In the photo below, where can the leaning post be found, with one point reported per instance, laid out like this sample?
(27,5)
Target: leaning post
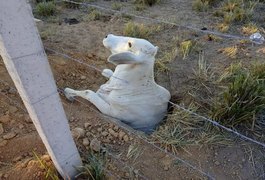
(27,64)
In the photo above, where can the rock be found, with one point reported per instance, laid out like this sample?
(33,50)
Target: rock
(60,61)
(83,77)
(166,168)
(111,125)
(121,134)
(126,138)
(127,174)
(99,129)
(85,142)
(116,128)
(217,163)
(1,129)
(78,132)
(5,118)
(3,142)
(13,109)
(27,119)
(6,176)
(95,145)
(17,159)
(46,158)
(112,132)
(87,125)
(104,133)
(9,135)
(21,126)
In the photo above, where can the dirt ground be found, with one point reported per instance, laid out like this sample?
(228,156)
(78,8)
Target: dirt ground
(19,140)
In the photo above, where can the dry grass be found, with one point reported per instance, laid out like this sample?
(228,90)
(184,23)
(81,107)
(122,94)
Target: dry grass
(243,97)
(49,169)
(167,56)
(186,47)
(46,9)
(93,167)
(146,2)
(236,10)
(249,29)
(93,15)
(116,6)
(183,129)
(230,51)
(140,30)
(134,151)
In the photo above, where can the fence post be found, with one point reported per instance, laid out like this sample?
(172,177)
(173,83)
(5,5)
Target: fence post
(26,62)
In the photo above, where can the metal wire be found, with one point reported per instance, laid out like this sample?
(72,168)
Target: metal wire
(82,62)
(229,36)
(125,127)
(219,125)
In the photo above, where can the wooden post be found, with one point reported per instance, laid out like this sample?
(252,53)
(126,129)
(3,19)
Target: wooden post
(27,64)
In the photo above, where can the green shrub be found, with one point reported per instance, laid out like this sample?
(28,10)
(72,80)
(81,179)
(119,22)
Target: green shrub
(146,2)
(139,30)
(46,9)
(244,96)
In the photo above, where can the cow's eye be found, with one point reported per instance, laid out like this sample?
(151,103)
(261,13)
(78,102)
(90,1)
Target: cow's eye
(129,44)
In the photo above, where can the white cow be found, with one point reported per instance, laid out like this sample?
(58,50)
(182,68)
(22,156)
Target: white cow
(131,94)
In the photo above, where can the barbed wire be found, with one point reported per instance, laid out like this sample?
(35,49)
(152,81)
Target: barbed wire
(255,38)
(213,122)
(82,62)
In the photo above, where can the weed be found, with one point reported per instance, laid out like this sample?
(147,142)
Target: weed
(200,5)
(203,70)
(139,30)
(183,129)
(223,27)
(48,33)
(186,47)
(243,98)
(203,86)
(46,9)
(167,57)
(134,151)
(249,29)
(230,51)
(50,171)
(211,37)
(93,16)
(93,167)
(236,10)
(146,2)
(139,7)
(116,6)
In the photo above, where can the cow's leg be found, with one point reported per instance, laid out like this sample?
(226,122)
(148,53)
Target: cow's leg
(91,96)
(107,73)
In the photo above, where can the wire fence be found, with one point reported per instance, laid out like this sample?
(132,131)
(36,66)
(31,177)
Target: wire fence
(255,38)
(191,112)
(130,130)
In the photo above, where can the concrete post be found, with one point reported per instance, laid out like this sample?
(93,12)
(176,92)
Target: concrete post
(26,62)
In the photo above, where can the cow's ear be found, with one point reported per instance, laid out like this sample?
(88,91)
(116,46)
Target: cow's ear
(124,58)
